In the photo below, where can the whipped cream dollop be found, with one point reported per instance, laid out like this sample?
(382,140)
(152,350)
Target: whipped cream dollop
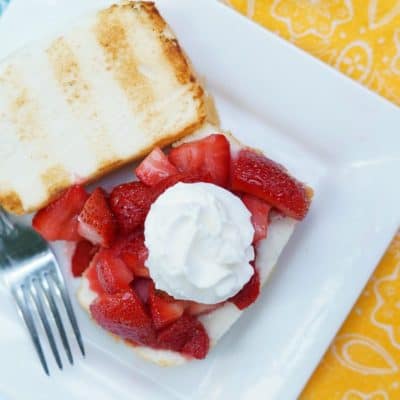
(199,240)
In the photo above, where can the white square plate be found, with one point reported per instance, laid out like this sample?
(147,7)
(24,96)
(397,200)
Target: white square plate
(330,132)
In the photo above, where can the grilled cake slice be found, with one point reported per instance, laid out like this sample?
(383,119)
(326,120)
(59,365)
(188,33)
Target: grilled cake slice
(76,106)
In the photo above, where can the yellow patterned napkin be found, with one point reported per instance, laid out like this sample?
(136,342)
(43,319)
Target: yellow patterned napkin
(361,38)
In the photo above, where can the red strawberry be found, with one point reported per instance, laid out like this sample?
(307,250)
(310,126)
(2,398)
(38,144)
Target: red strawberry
(210,155)
(130,203)
(114,276)
(133,252)
(249,292)
(161,187)
(83,254)
(198,345)
(124,315)
(193,308)
(91,275)
(186,335)
(257,175)
(154,168)
(59,220)
(259,215)
(143,287)
(164,309)
(96,221)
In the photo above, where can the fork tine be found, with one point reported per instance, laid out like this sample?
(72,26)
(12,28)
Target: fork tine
(40,305)
(60,284)
(26,313)
(47,289)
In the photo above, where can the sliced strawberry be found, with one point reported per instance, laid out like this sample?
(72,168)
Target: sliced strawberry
(96,221)
(193,308)
(257,175)
(124,315)
(198,345)
(130,203)
(133,252)
(154,168)
(114,276)
(210,155)
(249,292)
(259,215)
(91,275)
(161,187)
(186,335)
(59,220)
(83,254)
(143,287)
(164,309)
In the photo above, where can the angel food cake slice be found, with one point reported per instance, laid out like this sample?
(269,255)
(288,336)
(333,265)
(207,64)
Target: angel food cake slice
(172,259)
(78,105)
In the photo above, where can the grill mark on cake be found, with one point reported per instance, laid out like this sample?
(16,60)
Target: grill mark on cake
(174,53)
(54,178)
(79,97)
(23,110)
(122,62)
(170,45)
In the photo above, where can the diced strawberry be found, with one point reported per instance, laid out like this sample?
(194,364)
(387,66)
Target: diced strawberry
(186,335)
(59,220)
(96,221)
(249,292)
(198,345)
(210,155)
(91,275)
(164,309)
(114,276)
(83,254)
(124,315)
(193,308)
(133,252)
(154,168)
(161,187)
(143,287)
(259,215)
(130,203)
(257,175)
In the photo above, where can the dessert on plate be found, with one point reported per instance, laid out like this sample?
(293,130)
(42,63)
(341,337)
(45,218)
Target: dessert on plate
(169,260)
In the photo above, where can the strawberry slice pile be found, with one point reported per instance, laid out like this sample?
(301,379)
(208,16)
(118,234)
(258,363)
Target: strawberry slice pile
(110,248)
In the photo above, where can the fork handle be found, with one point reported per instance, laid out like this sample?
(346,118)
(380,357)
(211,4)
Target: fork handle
(6,225)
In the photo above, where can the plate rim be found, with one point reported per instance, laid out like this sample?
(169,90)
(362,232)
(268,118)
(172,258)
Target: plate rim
(366,91)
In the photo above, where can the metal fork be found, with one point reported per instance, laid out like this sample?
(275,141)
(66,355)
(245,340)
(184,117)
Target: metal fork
(32,273)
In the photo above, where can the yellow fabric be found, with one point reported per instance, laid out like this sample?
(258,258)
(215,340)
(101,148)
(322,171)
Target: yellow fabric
(361,38)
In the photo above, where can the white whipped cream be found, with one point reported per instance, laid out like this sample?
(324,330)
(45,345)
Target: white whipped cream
(199,240)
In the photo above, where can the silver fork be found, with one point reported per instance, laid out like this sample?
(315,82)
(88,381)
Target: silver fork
(32,273)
